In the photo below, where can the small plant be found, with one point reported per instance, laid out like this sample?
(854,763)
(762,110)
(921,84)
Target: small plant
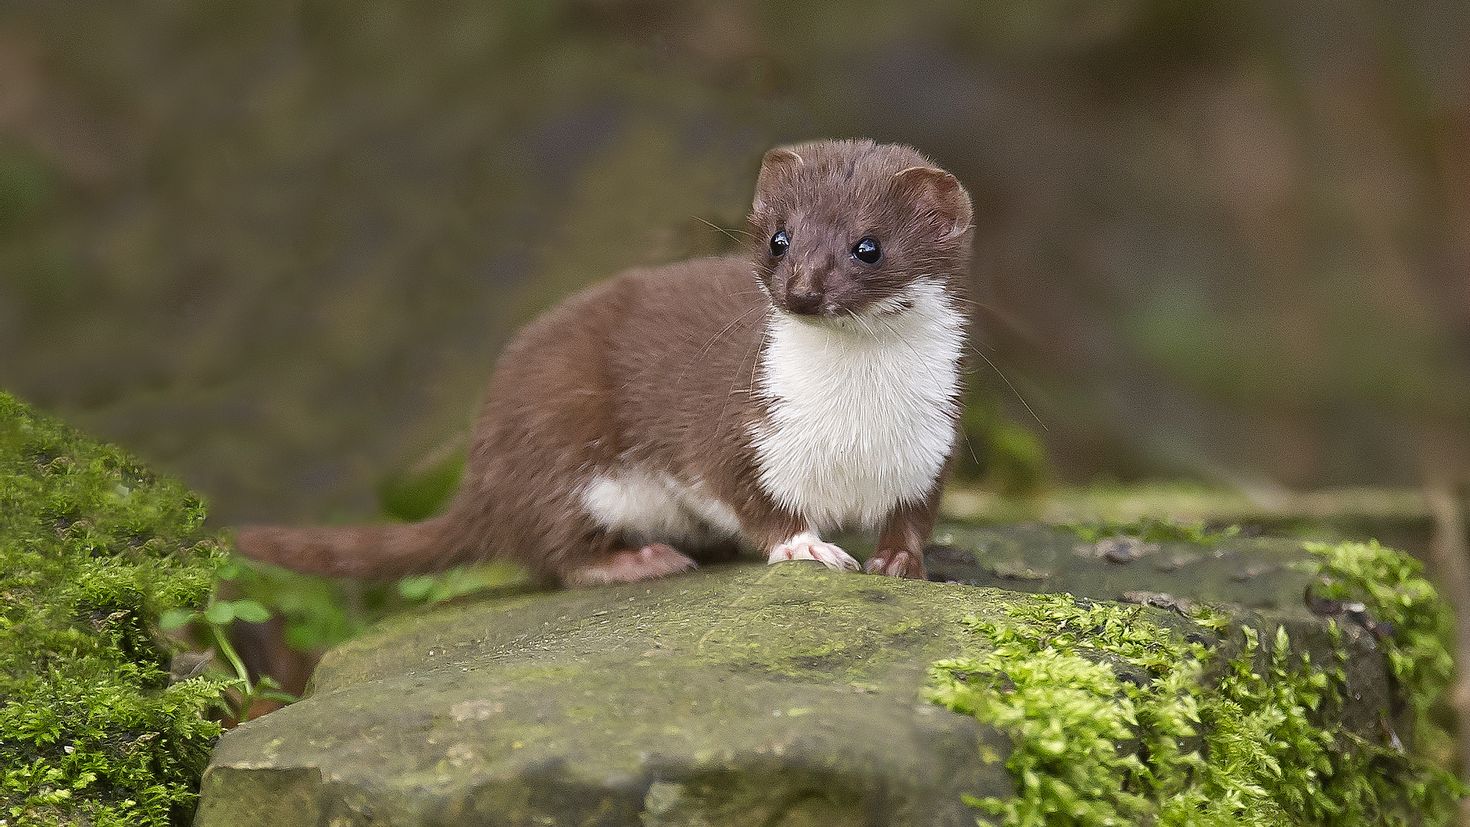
(241,692)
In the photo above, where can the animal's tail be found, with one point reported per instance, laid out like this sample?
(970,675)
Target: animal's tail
(364,551)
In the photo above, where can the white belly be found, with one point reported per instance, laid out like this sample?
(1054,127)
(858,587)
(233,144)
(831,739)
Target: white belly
(862,416)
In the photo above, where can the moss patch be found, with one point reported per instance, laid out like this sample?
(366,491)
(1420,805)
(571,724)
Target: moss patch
(92,548)
(1113,723)
(1402,607)
(1153,530)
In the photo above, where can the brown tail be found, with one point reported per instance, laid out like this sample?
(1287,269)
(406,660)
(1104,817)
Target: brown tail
(364,551)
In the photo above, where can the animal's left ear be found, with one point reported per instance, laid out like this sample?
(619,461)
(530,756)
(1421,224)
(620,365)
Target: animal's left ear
(939,195)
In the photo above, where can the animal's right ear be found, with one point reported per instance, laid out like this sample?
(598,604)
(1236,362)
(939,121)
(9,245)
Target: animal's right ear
(776,167)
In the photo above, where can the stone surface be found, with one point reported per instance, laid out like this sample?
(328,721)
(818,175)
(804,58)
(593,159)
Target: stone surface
(738,695)
(1254,572)
(745,695)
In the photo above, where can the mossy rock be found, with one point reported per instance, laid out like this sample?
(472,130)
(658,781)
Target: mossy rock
(93,547)
(793,695)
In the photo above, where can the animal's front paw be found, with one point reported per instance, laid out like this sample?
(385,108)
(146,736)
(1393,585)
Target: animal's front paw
(808,546)
(895,563)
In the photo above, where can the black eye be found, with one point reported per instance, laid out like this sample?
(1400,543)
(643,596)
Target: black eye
(779,242)
(867,251)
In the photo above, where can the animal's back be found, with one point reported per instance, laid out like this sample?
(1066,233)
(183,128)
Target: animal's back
(616,383)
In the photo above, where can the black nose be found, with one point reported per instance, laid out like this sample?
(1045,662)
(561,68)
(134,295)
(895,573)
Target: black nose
(806,303)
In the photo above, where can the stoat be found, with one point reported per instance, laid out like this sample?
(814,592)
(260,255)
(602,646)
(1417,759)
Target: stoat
(687,411)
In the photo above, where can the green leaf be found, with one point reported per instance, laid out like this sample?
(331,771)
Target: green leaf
(417,587)
(251,611)
(176,619)
(220,613)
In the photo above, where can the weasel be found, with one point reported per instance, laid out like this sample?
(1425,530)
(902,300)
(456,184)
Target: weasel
(689,410)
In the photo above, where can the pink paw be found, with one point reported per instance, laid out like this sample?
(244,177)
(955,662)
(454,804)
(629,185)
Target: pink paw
(653,560)
(897,564)
(808,546)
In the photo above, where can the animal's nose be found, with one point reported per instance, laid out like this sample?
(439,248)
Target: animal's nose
(804,290)
(803,301)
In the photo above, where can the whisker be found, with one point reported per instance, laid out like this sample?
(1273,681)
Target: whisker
(755,358)
(707,345)
(969,446)
(1003,378)
(729,233)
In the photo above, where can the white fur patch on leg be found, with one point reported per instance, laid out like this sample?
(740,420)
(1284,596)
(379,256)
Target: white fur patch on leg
(656,507)
(808,546)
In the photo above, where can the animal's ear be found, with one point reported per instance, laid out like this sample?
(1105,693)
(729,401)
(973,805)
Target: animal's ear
(939,195)
(776,167)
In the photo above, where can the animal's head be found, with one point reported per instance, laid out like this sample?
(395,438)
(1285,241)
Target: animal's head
(846,228)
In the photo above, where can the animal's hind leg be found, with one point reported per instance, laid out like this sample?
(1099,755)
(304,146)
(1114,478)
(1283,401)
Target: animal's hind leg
(628,566)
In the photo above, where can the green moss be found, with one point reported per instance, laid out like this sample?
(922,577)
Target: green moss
(1396,597)
(1117,719)
(92,548)
(1153,530)
(1271,761)
(1073,683)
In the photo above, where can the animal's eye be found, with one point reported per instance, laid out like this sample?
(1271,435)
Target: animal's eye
(779,242)
(867,251)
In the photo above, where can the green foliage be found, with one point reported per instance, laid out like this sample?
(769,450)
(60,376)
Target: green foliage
(321,612)
(425,589)
(1114,723)
(93,547)
(214,619)
(420,493)
(1004,455)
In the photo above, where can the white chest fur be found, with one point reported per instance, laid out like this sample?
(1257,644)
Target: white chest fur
(861,415)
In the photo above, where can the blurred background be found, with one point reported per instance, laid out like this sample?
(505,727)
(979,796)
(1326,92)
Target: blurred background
(273,248)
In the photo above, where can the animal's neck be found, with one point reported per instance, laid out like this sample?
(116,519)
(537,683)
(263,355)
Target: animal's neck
(860,416)
(913,341)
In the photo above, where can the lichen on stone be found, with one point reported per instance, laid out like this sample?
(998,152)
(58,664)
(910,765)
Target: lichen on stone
(1118,719)
(92,547)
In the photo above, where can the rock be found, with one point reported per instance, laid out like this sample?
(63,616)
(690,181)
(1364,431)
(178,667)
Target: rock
(743,695)
(793,695)
(1254,572)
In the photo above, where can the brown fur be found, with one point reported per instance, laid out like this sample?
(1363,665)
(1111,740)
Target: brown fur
(655,367)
